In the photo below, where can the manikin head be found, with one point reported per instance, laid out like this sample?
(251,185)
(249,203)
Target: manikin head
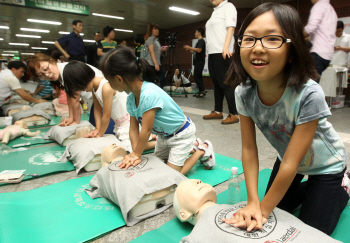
(190,196)
(21,124)
(111,153)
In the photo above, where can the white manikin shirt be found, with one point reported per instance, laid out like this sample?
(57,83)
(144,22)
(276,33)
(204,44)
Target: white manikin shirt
(280,227)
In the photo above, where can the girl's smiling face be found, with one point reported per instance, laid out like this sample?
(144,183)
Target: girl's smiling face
(272,61)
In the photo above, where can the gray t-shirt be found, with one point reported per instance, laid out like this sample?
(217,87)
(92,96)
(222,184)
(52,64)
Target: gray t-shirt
(277,122)
(27,113)
(152,40)
(126,187)
(281,227)
(83,150)
(59,134)
(13,107)
(43,106)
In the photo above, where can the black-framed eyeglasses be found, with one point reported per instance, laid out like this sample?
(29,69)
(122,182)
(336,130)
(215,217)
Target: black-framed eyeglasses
(268,41)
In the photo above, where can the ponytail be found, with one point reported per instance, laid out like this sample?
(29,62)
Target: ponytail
(123,62)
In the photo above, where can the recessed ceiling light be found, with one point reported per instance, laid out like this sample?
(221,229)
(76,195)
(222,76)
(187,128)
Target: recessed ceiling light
(39,48)
(19,44)
(107,16)
(89,40)
(6,55)
(11,51)
(28,36)
(123,30)
(81,34)
(4,27)
(183,10)
(1,39)
(64,33)
(35,30)
(48,42)
(27,54)
(44,21)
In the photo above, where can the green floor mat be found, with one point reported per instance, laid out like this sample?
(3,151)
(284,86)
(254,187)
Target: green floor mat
(41,161)
(57,213)
(178,93)
(148,151)
(219,174)
(25,141)
(55,120)
(174,230)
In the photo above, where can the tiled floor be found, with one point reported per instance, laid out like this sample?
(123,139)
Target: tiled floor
(226,140)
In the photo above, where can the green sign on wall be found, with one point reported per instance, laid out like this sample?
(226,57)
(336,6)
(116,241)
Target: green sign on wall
(55,5)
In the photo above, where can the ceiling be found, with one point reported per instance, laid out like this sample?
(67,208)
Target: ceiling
(137,14)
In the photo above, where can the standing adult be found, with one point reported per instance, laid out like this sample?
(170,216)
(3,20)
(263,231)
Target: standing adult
(91,52)
(108,43)
(341,47)
(9,82)
(123,43)
(321,29)
(198,60)
(219,29)
(73,43)
(153,57)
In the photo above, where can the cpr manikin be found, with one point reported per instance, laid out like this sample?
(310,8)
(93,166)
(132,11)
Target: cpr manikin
(32,117)
(195,202)
(66,135)
(114,153)
(18,129)
(18,108)
(140,191)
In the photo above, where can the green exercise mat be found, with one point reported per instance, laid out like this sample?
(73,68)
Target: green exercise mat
(174,230)
(25,141)
(219,174)
(41,161)
(55,120)
(57,213)
(178,93)
(148,151)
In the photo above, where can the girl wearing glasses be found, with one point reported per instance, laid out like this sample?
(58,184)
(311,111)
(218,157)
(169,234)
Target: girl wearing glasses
(276,92)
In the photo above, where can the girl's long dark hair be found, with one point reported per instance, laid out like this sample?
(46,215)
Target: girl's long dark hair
(76,77)
(123,62)
(301,68)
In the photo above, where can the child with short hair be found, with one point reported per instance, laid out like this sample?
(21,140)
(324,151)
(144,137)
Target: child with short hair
(150,106)
(277,93)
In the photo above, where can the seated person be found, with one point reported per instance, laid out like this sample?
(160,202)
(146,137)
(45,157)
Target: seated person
(180,80)
(195,202)
(43,89)
(151,182)
(18,129)
(9,81)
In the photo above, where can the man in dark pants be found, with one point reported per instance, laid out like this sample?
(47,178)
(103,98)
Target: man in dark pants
(198,60)
(321,29)
(91,52)
(73,42)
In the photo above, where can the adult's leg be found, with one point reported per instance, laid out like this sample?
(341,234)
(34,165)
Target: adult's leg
(291,199)
(1,112)
(161,76)
(213,65)
(324,201)
(222,66)
(197,74)
(320,64)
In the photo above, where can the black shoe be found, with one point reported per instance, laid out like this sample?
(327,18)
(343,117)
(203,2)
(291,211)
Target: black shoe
(200,95)
(195,95)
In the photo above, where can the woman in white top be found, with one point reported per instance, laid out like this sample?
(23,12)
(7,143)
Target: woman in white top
(219,31)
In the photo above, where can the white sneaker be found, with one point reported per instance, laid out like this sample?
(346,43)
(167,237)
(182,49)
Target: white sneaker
(208,158)
(199,141)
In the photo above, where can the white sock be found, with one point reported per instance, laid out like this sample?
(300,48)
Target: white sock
(217,112)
